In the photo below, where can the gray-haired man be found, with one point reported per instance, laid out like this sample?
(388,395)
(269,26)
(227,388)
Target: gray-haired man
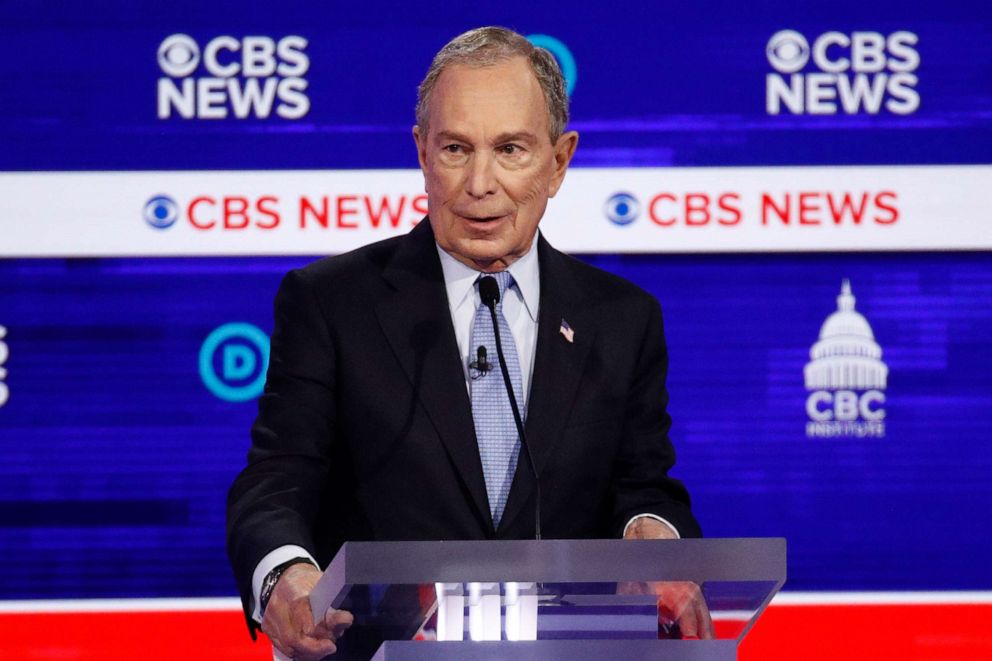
(372,427)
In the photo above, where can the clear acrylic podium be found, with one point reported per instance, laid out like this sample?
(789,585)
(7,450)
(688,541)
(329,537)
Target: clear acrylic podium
(548,599)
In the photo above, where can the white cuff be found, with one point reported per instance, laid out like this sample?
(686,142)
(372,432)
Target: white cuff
(650,516)
(272,560)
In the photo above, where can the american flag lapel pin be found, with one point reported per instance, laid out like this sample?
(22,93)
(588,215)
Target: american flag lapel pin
(567,332)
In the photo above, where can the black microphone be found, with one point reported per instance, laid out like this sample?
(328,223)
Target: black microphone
(489,291)
(481,364)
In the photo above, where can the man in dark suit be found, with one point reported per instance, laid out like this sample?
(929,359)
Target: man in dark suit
(373,423)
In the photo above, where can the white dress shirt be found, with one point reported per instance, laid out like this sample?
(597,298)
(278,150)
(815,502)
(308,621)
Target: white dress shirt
(520,307)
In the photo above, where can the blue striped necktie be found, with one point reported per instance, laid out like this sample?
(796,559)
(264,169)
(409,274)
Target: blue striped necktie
(495,430)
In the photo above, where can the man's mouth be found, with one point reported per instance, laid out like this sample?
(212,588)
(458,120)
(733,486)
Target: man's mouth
(475,218)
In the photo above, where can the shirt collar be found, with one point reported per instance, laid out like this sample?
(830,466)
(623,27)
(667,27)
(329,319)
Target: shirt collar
(459,279)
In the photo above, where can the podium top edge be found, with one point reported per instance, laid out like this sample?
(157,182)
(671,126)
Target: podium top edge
(562,561)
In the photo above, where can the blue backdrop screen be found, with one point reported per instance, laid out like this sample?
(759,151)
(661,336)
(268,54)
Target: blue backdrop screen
(654,84)
(116,487)
(127,384)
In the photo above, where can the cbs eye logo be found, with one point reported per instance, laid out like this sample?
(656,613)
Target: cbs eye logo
(787,51)
(178,55)
(161,212)
(622,209)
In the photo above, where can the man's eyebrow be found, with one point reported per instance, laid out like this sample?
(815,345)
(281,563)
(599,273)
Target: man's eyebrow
(518,136)
(501,139)
(445,136)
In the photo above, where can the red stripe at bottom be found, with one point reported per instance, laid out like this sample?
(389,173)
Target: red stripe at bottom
(901,631)
(931,631)
(146,635)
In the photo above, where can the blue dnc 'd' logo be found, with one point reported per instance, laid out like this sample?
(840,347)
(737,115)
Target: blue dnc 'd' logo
(233,361)
(161,212)
(622,208)
(564,56)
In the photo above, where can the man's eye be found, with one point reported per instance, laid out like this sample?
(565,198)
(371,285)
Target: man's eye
(453,149)
(510,149)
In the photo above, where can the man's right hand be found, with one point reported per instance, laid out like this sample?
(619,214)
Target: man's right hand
(288,620)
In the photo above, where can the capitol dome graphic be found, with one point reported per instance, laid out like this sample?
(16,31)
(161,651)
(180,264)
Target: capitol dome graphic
(846,357)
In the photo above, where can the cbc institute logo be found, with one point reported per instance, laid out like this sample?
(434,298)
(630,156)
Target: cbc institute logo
(846,377)
(4,355)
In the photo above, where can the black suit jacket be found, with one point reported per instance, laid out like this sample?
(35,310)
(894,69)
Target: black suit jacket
(365,430)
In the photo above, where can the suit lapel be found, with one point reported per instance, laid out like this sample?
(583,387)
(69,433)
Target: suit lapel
(416,320)
(558,367)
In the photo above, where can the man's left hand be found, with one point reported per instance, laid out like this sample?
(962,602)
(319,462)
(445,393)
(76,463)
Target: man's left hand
(680,603)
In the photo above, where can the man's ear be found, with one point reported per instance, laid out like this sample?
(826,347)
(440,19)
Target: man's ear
(564,150)
(420,138)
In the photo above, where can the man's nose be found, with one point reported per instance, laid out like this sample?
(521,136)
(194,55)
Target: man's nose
(481,179)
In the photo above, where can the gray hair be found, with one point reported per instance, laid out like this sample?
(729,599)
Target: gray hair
(488,46)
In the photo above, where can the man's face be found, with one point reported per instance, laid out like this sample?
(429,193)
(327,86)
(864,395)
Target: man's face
(489,165)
